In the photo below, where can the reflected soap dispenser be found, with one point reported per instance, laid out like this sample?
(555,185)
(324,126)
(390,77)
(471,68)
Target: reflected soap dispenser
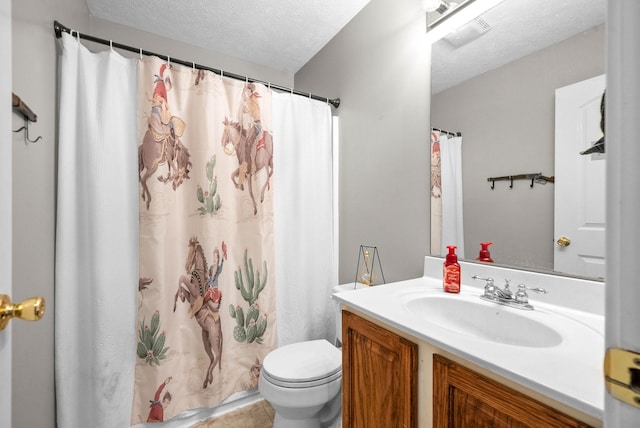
(484,255)
(451,271)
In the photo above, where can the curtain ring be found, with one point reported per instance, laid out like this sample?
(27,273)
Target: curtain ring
(194,66)
(140,54)
(269,85)
(221,73)
(111,45)
(168,61)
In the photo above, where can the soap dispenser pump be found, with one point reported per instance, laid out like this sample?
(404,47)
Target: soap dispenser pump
(451,271)
(484,255)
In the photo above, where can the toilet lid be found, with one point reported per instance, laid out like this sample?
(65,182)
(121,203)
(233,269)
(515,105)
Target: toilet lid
(303,362)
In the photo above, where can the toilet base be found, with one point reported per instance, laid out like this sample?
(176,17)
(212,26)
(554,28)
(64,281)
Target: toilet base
(327,416)
(281,422)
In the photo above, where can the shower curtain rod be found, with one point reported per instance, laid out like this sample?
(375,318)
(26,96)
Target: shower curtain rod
(59,29)
(455,134)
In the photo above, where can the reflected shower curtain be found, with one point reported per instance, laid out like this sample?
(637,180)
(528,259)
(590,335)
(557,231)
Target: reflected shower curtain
(111,322)
(447,226)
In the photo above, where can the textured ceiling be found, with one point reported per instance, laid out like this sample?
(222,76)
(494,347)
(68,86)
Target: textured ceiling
(286,34)
(519,28)
(281,34)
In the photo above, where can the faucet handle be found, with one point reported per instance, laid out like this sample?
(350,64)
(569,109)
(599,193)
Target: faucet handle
(488,279)
(489,287)
(521,295)
(537,290)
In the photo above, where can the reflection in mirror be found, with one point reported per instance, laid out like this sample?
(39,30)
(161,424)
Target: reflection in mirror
(495,81)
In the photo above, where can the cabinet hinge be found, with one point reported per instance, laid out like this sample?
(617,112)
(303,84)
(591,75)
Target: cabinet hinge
(622,375)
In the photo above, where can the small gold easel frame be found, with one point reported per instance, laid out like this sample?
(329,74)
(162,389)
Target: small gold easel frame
(369,267)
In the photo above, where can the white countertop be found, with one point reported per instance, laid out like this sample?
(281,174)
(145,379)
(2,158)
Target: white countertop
(570,373)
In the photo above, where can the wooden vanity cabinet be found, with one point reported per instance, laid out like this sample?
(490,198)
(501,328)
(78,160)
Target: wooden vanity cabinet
(379,376)
(463,398)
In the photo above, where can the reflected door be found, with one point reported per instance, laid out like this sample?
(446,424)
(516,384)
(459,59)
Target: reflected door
(579,222)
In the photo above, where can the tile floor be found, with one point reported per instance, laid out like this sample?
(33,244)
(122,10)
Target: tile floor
(257,415)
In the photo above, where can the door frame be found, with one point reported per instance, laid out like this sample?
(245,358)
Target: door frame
(6,142)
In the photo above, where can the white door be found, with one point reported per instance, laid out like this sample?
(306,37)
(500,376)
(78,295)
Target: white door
(5,206)
(579,223)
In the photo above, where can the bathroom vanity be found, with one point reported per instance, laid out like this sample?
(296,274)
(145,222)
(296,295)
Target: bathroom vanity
(418,357)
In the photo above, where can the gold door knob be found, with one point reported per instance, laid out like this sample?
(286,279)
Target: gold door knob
(563,241)
(31,310)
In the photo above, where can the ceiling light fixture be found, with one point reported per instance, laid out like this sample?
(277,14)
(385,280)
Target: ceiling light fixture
(455,18)
(431,5)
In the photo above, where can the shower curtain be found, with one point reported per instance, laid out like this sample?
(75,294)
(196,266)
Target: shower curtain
(206,287)
(305,203)
(447,226)
(196,317)
(96,238)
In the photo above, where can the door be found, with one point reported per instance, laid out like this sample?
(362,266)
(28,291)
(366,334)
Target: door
(5,206)
(463,398)
(379,385)
(580,206)
(623,176)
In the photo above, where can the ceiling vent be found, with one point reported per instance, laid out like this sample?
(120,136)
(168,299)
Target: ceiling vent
(468,32)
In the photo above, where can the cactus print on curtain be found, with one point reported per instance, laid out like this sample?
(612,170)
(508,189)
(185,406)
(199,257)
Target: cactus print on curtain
(206,292)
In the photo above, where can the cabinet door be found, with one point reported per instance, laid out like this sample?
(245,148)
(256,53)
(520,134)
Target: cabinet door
(463,398)
(379,376)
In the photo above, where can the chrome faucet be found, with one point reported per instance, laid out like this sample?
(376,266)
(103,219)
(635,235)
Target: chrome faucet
(504,293)
(504,296)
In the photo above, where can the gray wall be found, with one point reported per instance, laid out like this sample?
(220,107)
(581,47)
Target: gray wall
(34,80)
(379,67)
(34,170)
(506,117)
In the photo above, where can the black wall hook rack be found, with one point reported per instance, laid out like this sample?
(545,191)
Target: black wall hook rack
(534,177)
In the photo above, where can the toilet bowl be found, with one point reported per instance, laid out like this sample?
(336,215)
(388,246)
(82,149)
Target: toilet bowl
(302,382)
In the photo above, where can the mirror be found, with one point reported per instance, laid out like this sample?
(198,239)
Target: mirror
(494,80)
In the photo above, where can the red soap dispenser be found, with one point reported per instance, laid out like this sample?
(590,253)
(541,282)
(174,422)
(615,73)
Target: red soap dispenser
(484,255)
(451,271)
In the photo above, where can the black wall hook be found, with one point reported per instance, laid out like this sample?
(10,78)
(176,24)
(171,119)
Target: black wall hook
(25,128)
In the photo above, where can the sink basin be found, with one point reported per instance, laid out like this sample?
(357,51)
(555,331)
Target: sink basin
(471,316)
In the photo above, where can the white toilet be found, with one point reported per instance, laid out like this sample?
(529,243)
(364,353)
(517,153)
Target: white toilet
(303,381)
